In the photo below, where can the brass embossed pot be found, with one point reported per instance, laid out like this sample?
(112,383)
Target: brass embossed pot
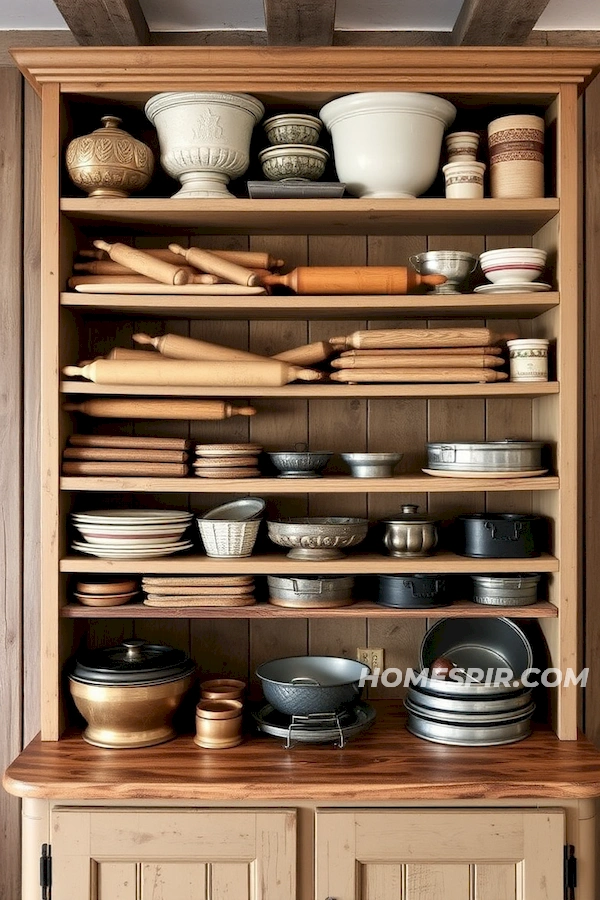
(410,534)
(128,694)
(109,162)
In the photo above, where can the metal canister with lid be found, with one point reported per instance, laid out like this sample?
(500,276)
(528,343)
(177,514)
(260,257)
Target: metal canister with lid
(411,533)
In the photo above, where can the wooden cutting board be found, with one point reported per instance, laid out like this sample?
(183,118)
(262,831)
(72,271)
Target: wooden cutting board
(423,360)
(247,472)
(230,590)
(125,454)
(225,462)
(142,470)
(195,580)
(129,441)
(166,602)
(214,290)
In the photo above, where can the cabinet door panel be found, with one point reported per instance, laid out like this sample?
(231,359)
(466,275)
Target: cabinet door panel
(440,854)
(180,854)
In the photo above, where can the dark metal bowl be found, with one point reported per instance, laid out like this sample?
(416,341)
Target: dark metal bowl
(304,685)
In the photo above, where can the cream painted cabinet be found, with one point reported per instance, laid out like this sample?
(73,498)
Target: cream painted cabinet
(440,854)
(173,854)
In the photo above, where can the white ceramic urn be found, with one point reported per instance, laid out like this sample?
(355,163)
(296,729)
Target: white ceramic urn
(204,138)
(387,144)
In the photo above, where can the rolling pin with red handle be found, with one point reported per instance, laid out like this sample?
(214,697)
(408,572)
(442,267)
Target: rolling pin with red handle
(200,410)
(144,263)
(418,337)
(251,259)
(352,280)
(193,373)
(208,262)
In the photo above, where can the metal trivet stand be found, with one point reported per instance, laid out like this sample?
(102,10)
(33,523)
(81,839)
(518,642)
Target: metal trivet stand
(326,721)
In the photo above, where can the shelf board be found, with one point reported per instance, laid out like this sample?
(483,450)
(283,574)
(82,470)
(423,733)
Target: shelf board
(344,216)
(279,564)
(310,389)
(430,306)
(366,608)
(333,484)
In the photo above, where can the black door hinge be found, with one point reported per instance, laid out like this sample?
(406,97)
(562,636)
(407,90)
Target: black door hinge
(46,872)
(570,872)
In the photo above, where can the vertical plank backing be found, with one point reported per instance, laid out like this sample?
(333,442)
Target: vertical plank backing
(31,413)
(11,470)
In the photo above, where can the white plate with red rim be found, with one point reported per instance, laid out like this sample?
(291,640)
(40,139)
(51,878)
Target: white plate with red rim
(513,287)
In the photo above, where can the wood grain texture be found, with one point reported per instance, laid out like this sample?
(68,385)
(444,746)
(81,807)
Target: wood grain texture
(387,763)
(496,22)
(300,22)
(11,482)
(110,23)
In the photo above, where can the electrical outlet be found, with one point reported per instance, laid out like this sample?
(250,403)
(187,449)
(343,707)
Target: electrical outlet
(371,657)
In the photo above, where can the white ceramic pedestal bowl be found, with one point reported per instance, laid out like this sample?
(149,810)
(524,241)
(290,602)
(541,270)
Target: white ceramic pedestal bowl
(204,138)
(387,144)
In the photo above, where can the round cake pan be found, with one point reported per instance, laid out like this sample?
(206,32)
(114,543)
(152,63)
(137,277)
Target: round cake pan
(505,590)
(485,456)
(468,735)
(460,705)
(439,687)
(478,644)
(471,719)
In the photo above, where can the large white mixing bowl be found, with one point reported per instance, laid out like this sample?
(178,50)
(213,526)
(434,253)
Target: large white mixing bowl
(387,144)
(204,138)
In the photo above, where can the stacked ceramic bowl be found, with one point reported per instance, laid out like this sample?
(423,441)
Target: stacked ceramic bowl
(132,533)
(227,460)
(293,155)
(513,269)
(230,530)
(470,692)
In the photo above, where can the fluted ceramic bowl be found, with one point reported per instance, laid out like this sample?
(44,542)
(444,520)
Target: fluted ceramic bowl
(318,537)
(293,128)
(297,162)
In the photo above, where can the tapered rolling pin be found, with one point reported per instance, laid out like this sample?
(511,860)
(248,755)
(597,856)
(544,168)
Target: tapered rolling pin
(251,259)
(167,470)
(124,454)
(307,355)
(423,361)
(144,263)
(201,410)
(108,267)
(418,337)
(399,376)
(129,442)
(353,280)
(128,353)
(208,262)
(76,280)
(175,346)
(431,351)
(193,373)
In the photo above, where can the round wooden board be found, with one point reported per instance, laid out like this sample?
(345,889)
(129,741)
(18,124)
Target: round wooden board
(531,474)
(105,600)
(226,462)
(109,586)
(200,590)
(196,580)
(227,473)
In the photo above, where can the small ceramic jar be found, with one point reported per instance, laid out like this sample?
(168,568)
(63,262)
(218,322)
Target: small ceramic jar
(410,534)
(462,146)
(528,359)
(464,180)
(218,724)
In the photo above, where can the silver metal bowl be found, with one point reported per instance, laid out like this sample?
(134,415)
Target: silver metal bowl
(310,591)
(465,706)
(304,685)
(456,265)
(318,537)
(300,462)
(372,465)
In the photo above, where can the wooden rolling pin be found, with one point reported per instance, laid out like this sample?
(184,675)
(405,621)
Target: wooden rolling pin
(128,353)
(193,373)
(418,337)
(208,262)
(129,442)
(108,267)
(200,410)
(175,346)
(76,280)
(144,263)
(124,454)
(431,351)
(399,376)
(251,259)
(167,470)
(307,355)
(422,361)
(353,280)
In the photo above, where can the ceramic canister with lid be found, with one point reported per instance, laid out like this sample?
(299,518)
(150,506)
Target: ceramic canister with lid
(129,693)
(410,533)
(528,359)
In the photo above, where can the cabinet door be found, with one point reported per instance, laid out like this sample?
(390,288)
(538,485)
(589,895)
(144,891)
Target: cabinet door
(440,854)
(173,854)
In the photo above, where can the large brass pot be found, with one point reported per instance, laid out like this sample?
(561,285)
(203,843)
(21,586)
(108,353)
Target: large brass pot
(129,715)
(109,162)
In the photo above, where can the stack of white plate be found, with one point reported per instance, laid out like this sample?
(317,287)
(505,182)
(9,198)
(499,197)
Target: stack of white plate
(132,533)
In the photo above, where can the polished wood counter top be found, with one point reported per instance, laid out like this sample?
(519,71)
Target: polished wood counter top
(385,763)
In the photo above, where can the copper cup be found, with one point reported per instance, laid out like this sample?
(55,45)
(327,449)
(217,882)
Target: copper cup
(218,724)
(222,689)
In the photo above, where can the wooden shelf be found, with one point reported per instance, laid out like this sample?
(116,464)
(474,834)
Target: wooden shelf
(334,484)
(458,610)
(312,390)
(345,216)
(385,763)
(279,564)
(430,306)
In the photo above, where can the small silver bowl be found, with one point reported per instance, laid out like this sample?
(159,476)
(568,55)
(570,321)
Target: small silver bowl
(456,265)
(372,465)
(293,128)
(300,462)
(318,537)
(293,162)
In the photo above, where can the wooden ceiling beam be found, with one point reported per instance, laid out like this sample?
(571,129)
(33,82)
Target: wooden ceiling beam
(496,22)
(300,22)
(111,23)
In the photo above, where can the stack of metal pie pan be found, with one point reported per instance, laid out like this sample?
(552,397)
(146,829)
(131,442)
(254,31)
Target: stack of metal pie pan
(471,713)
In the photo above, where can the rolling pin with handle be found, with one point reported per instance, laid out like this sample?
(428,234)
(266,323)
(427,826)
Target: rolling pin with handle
(215,265)
(200,410)
(430,351)
(418,337)
(422,361)
(193,373)
(192,278)
(175,346)
(352,280)
(251,259)
(144,264)
(401,376)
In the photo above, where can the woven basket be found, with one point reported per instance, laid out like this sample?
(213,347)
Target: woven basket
(222,538)
(516,145)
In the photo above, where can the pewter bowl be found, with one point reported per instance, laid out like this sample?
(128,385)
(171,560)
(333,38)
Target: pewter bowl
(318,538)
(372,465)
(300,463)
(456,265)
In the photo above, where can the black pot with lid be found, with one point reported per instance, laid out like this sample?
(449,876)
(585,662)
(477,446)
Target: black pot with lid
(134,662)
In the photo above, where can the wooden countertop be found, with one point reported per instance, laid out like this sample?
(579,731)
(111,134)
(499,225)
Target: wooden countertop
(386,763)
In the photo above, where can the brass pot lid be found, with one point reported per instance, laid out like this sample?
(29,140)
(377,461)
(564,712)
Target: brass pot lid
(132,662)
(409,515)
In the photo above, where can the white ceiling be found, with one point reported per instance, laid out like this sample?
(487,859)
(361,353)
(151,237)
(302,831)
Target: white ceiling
(370,15)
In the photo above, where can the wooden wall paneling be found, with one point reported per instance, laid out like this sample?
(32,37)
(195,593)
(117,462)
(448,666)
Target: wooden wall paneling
(11,474)
(31,412)
(591,556)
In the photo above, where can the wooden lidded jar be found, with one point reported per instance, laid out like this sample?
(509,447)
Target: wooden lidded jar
(109,162)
